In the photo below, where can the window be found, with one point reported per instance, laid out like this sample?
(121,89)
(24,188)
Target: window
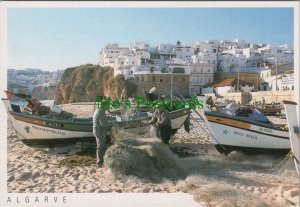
(111,51)
(161,80)
(182,79)
(178,70)
(137,78)
(153,78)
(213,61)
(142,78)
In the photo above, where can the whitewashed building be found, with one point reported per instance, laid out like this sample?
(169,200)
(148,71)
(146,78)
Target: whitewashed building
(283,54)
(210,45)
(109,54)
(206,57)
(241,43)
(231,85)
(287,82)
(200,74)
(284,82)
(165,48)
(184,52)
(233,63)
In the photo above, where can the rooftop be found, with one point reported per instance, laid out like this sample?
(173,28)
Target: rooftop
(231,82)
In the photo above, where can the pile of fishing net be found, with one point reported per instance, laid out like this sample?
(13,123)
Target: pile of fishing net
(142,156)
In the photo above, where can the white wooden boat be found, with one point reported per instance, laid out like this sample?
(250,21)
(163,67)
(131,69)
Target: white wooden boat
(293,122)
(43,131)
(241,133)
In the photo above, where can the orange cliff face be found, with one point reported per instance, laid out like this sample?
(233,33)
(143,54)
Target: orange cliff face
(84,83)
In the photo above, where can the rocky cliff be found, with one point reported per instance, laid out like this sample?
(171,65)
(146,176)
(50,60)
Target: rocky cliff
(44,92)
(85,82)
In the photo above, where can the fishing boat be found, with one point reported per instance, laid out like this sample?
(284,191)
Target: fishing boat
(293,122)
(246,130)
(270,110)
(51,126)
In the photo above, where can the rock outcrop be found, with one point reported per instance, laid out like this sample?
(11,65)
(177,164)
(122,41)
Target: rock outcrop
(85,82)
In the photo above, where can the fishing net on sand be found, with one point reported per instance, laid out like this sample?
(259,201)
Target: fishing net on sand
(285,166)
(138,152)
(147,159)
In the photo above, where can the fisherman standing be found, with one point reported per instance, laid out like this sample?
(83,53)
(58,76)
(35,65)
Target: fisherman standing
(263,102)
(100,127)
(153,120)
(164,125)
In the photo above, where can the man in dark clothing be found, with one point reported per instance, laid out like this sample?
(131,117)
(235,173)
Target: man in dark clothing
(164,125)
(100,127)
(154,120)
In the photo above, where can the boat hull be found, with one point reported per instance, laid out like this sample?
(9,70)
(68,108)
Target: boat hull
(178,117)
(229,134)
(291,114)
(36,131)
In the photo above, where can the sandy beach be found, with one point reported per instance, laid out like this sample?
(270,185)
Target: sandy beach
(193,166)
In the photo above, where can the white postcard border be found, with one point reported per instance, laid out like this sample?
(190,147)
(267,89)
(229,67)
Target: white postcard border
(112,199)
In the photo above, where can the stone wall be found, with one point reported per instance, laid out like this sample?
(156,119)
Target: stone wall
(162,81)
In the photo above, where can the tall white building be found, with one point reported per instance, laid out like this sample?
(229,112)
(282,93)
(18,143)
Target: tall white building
(200,75)
(110,52)
(206,57)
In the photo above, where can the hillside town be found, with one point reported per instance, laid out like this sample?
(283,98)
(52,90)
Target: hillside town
(199,68)
(212,66)
(28,79)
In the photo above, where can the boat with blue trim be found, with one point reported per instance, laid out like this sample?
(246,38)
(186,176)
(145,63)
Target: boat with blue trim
(238,128)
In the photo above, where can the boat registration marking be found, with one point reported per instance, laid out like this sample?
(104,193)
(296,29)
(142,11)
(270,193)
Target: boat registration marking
(262,129)
(242,134)
(55,124)
(48,130)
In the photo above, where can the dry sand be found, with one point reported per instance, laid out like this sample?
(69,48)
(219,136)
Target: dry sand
(213,179)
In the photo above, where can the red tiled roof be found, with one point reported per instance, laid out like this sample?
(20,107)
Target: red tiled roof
(231,82)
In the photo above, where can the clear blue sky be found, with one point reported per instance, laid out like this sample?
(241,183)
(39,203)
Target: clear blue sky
(53,39)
